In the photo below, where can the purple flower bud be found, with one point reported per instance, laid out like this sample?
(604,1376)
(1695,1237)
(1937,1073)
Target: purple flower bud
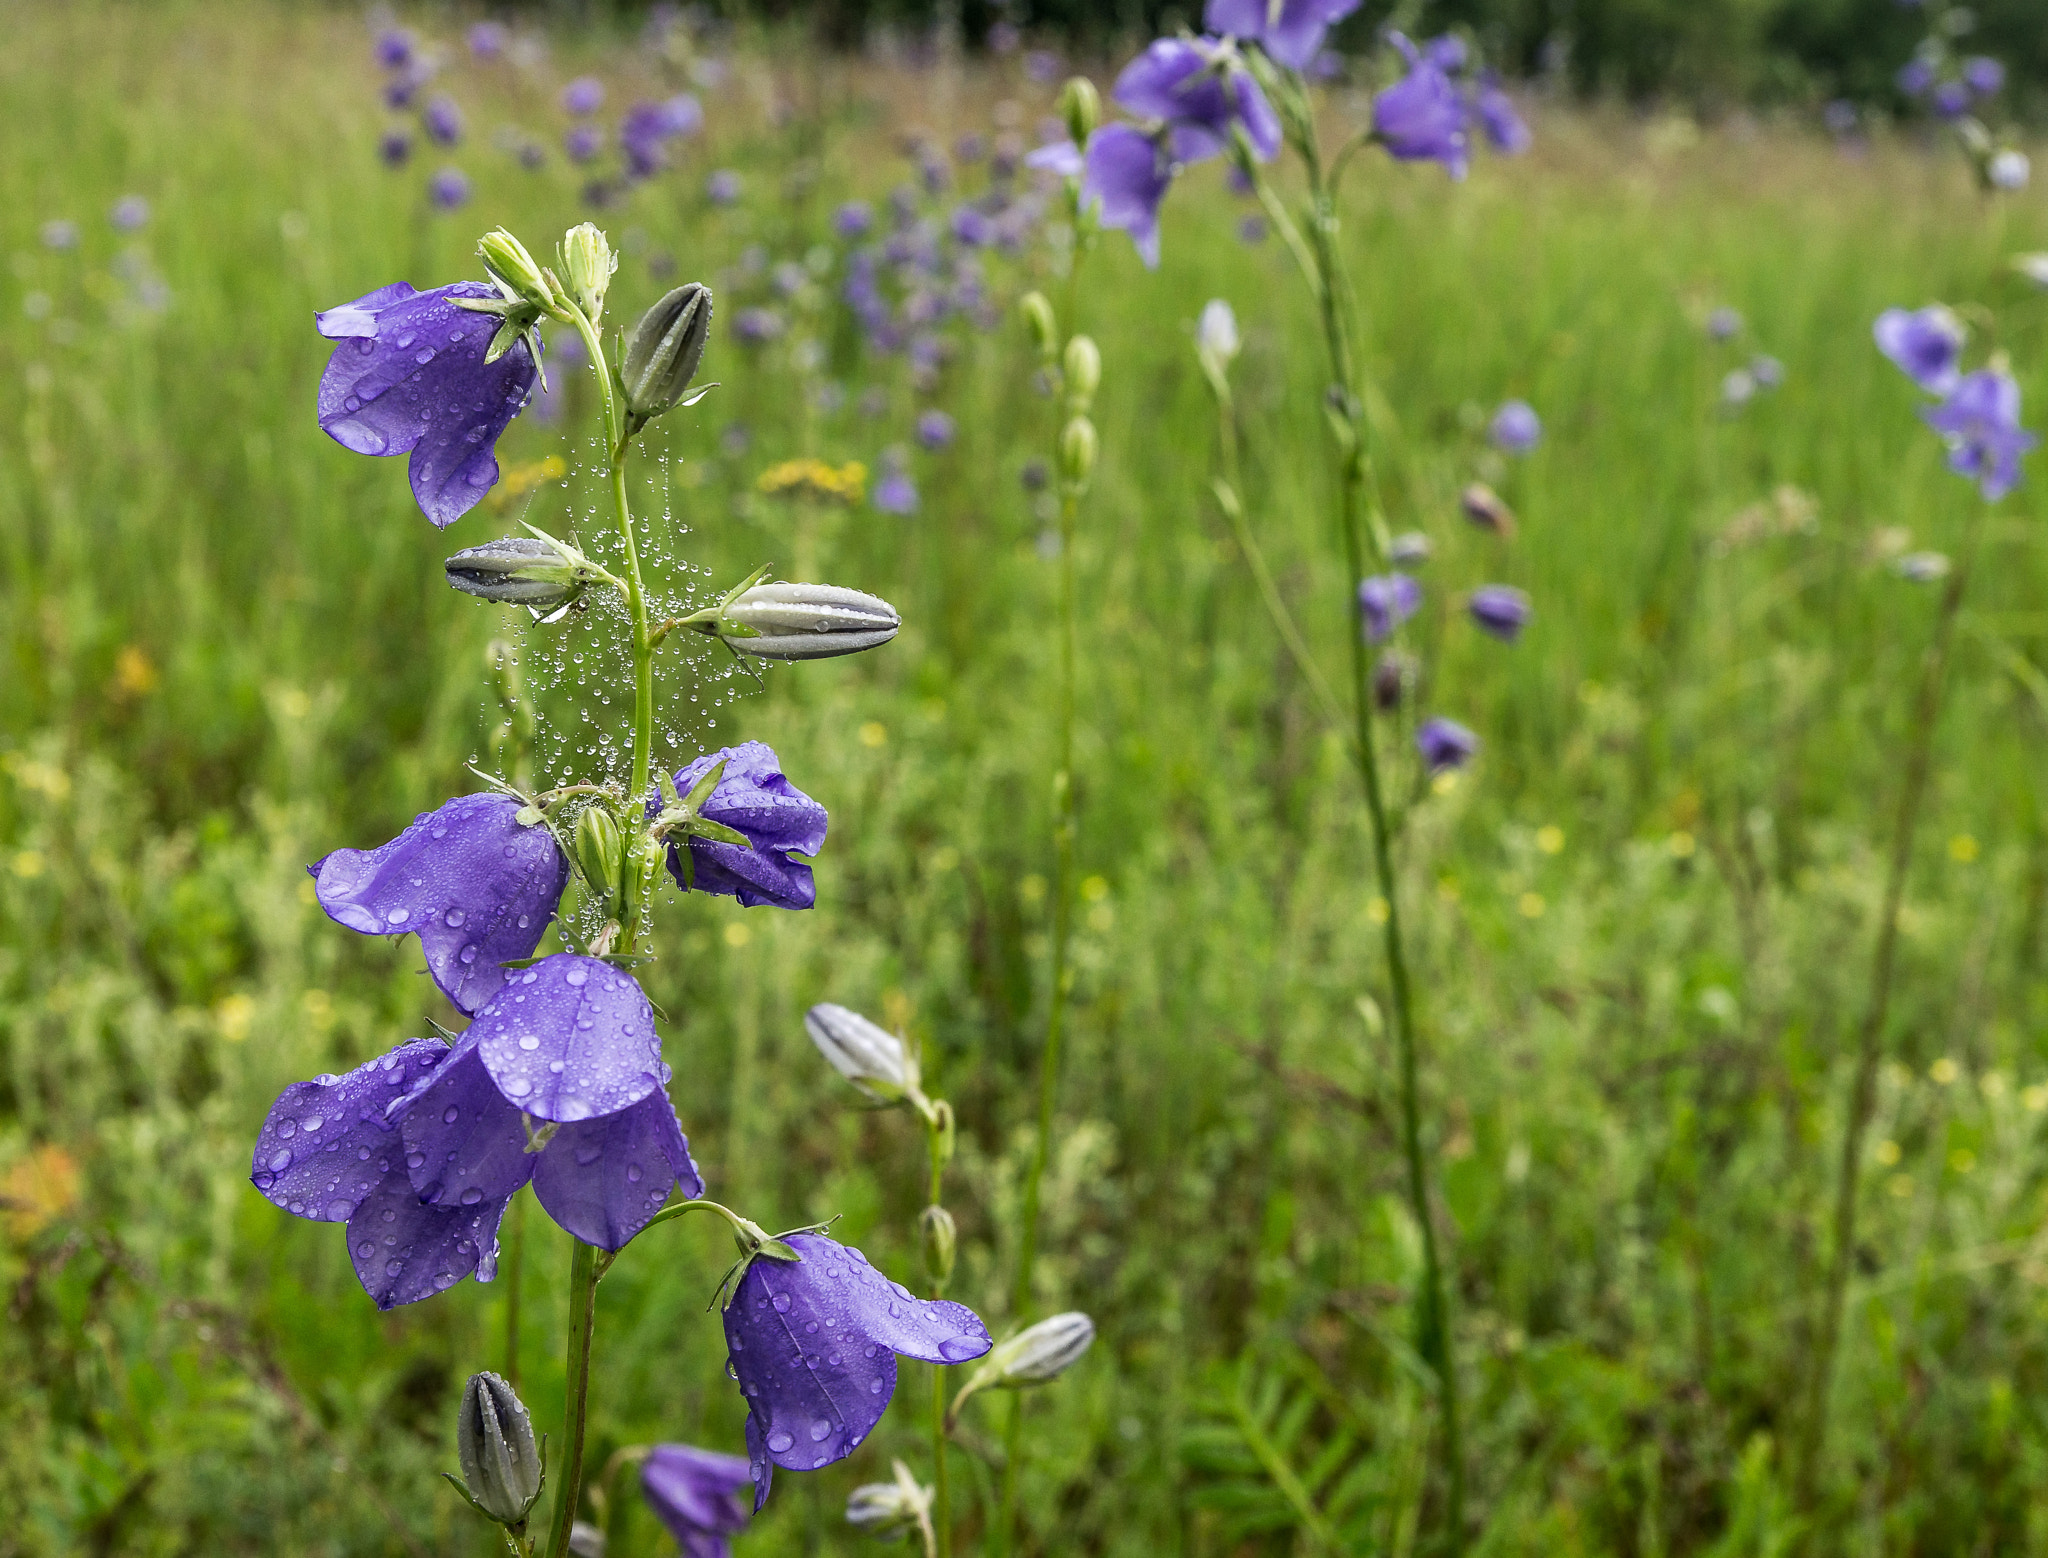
(696,1494)
(1385,601)
(442,121)
(1500,611)
(934,429)
(1981,422)
(1421,118)
(1925,343)
(779,821)
(722,188)
(130,214)
(449,188)
(394,48)
(1291,32)
(1444,744)
(1516,428)
(583,96)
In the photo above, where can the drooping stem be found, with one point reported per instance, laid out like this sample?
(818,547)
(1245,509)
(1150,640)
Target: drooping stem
(583,1275)
(1927,703)
(1360,520)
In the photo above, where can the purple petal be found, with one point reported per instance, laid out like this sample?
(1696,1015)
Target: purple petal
(754,797)
(328,1143)
(758,1463)
(695,1493)
(465,1145)
(476,886)
(405,1251)
(1128,177)
(570,1039)
(604,1179)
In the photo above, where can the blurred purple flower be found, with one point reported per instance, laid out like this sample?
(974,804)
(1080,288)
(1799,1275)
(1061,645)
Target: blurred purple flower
(473,883)
(130,214)
(1444,744)
(1498,117)
(582,142)
(1385,601)
(895,493)
(60,234)
(813,1343)
(1201,92)
(778,819)
(973,228)
(1516,428)
(583,96)
(1043,66)
(1723,324)
(1291,31)
(1061,157)
(394,48)
(1251,229)
(448,188)
(934,430)
(757,326)
(1951,100)
(853,220)
(1128,174)
(1981,422)
(1915,77)
(487,40)
(1447,52)
(409,376)
(1499,610)
(1768,372)
(442,121)
(1421,118)
(395,148)
(1003,38)
(1983,75)
(1926,344)
(696,1494)
(722,188)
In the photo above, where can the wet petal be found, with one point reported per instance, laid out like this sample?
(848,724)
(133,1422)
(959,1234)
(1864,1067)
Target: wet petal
(758,1462)
(328,1143)
(837,1277)
(570,1039)
(464,1144)
(755,797)
(604,1179)
(476,886)
(405,1251)
(695,1493)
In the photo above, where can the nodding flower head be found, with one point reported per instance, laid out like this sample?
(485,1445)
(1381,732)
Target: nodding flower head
(1291,32)
(774,820)
(1385,601)
(1126,175)
(1981,421)
(1515,427)
(813,1343)
(1201,91)
(1444,744)
(696,1494)
(1925,343)
(1421,117)
(1500,611)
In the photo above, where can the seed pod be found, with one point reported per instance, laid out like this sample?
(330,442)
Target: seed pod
(587,267)
(519,571)
(941,1241)
(663,351)
(804,622)
(1084,372)
(866,1054)
(598,850)
(494,1441)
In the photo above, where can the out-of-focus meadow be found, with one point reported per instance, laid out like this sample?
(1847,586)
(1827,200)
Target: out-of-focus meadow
(1642,919)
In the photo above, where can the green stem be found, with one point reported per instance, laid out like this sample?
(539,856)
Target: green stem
(515,1255)
(942,1510)
(583,1275)
(1870,1032)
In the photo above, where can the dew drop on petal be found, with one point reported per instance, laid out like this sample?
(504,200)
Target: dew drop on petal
(472,1195)
(779,1441)
(782,1303)
(280,1162)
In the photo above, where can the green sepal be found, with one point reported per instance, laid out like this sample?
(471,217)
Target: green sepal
(503,342)
(716,832)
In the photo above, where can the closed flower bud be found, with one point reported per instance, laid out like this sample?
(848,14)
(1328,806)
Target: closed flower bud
(802,621)
(1483,506)
(941,1241)
(1084,372)
(1081,108)
(1077,451)
(1032,1357)
(866,1054)
(641,873)
(890,1509)
(494,1440)
(587,267)
(663,351)
(1040,320)
(507,260)
(521,571)
(599,850)
(1392,675)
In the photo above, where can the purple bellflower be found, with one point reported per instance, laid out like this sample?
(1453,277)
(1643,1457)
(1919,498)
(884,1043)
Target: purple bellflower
(895,493)
(1516,428)
(1291,32)
(1200,90)
(1951,100)
(395,148)
(1981,421)
(1421,117)
(409,377)
(583,96)
(1385,601)
(1499,610)
(722,188)
(442,120)
(934,430)
(1127,176)
(813,1343)
(696,1494)
(1925,343)
(394,48)
(1983,75)
(476,885)
(448,189)
(779,820)
(1445,745)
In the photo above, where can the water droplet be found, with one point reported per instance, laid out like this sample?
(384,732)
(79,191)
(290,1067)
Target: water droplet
(471,1196)
(874,1387)
(340,1211)
(454,918)
(469,954)
(398,916)
(312,1122)
(529,1041)
(958,1349)
(450,1115)
(280,1162)
(288,1129)
(415,1160)
(518,1087)
(779,1441)
(810,1328)
(633,1173)
(365,1250)
(820,1431)
(782,1303)
(576,975)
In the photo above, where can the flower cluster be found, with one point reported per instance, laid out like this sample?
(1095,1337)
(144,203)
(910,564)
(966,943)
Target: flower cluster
(1430,113)
(1978,414)
(1959,90)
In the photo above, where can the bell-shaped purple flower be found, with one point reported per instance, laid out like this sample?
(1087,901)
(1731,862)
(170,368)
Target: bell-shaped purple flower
(583,96)
(1291,32)
(1498,117)
(696,1494)
(1385,601)
(1127,175)
(409,377)
(476,885)
(1515,427)
(1421,117)
(1981,421)
(1925,343)
(779,820)
(1200,91)
(1444,744)
(1500,611)
(813,1343)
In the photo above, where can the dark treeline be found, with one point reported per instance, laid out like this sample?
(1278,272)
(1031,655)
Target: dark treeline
(1707,50)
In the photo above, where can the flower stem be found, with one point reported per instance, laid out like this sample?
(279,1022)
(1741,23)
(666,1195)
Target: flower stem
(583,1275)
(942,1503)
(1927,705)
(515,1258)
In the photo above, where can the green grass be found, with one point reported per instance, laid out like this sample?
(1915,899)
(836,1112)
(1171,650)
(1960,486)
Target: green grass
(228,649)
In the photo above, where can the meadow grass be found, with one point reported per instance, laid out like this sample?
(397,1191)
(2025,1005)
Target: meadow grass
(1641,923)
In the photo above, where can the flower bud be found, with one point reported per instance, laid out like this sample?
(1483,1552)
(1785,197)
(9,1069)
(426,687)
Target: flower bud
(1081,108)
(867,1055)
(505,257)
(1077,451)
(1040,320)
(641,873)
(1409,549)
(803,621)
(598,850)
(941,1241)
(586,1540)
(587,265)
(520,571)
(1032,1357)
(501,1469)
(1216,338)
(890,1509)
(1392,675)
(663,351)
(1483,506)
(1084,372)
